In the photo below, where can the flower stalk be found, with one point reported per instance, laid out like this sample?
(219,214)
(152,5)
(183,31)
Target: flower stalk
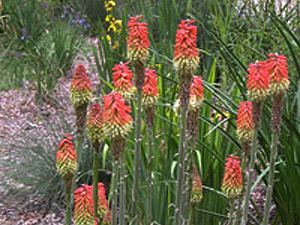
(137,49)
(258,86)
(277,67)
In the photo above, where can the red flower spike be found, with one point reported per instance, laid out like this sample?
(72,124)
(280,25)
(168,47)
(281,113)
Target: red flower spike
(197,187)
(232,182)
(196,95)
(81,89)
(277,67)
(244,122)
(84,206)
(186,54)
(117,121)
(95,123)
(102,201)
(150,92)
(123,80)
(138,42)
(66,159)
(258,82)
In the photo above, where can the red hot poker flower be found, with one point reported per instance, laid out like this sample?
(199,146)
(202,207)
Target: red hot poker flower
(277,67)
(138,42)
(123,80)
(107,218)
(66,159)
(150,92)
(258,82)
(80,88)
(186,54)
(232,182)
(244,122)
(95,123)
(117,121)
(196,95)
(102,201)
(84,206)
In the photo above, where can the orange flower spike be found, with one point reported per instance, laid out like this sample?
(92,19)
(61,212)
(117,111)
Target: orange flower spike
(150,91)
(81,89)
(244,122)
(117,121)
(258,82)
(277,67)
(186,54)
(197,187)
(102,201)
(84,206)
(123,80)
(196,95)
(66,159)
(95,124)
(138,42)
(232,182)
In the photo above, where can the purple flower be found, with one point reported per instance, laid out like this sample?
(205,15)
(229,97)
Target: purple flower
(44,5)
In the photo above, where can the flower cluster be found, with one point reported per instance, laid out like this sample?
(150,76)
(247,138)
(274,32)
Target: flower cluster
(277,68)
(196,95)
(244,122)
(150,92)
(117,121)
(66,159)
(186,54)
(81,89)
(84,205)
(197,187)
(94,124)
(258,82)
(232,182)
(138,42)
(123,81)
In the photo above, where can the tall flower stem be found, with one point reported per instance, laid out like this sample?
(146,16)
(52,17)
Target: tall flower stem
(231,211)
(181,167)
(68,218)
(123,187)
(250,175)
(95,179)
(241,197)
(192,214)
(115,193)
(149,174)
(138,139)
(275,137)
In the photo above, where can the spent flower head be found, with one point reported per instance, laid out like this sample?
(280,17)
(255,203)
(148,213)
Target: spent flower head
(197,187)
(277,67)
(232,182)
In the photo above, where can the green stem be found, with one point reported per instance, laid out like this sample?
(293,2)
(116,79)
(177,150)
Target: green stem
(138,139)
(231,211)
(180,172)
(78,148)
(123,187)
(149,177)
(68,219)
(275,137)
(241,197)
(192,214)
(114,216)
(250,175)
(95,181)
